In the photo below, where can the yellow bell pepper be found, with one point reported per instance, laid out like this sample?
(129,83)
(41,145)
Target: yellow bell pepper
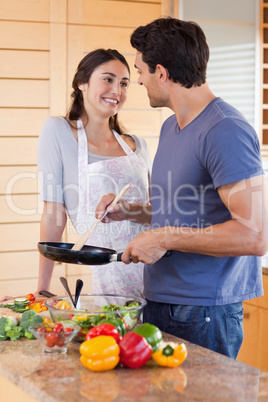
(170,356)
(100,353)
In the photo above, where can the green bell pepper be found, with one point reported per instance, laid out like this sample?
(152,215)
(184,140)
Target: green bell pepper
(151,333)
(117,323)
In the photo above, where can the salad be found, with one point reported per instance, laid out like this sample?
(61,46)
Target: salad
(127,313)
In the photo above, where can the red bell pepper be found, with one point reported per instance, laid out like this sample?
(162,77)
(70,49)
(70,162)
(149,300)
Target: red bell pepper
(104,329)
(135,351)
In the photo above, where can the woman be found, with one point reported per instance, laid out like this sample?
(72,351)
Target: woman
(85,155)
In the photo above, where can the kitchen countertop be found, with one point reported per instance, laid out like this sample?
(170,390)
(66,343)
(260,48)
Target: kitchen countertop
(203,376)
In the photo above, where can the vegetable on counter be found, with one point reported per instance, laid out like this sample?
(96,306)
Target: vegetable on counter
(15,333)
(29,318)
(172,355)
(6,325)
(19,306)
(151,333)
(100,353)
(118,323)
(104,329)
(22,304)
(13,329)
(135,351)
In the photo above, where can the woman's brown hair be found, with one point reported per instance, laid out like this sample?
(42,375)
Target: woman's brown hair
(83,73)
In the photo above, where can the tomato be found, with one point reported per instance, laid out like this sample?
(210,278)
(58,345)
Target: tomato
(50,344)
(61,341)
(68,329)
(51,339)
(58,327)
(30,297)
(40,329)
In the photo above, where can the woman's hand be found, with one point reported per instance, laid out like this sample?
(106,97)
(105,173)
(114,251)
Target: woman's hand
(138,213)
(119,212)
(5,298)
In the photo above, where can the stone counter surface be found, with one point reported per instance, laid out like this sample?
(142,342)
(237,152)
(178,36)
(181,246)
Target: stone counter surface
(203,376)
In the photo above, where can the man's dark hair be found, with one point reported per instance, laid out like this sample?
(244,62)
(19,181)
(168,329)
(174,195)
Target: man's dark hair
(179,46)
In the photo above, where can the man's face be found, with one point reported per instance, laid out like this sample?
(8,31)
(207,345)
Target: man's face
(151,83)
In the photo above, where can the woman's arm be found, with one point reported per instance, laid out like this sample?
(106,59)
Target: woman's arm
(53,222)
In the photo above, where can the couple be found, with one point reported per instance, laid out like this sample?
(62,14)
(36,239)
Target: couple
(207,201)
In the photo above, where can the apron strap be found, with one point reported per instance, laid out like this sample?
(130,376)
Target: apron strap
(82,146)
(82,143)
(123,144)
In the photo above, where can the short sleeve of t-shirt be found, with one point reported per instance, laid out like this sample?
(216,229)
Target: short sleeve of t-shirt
(49,160)
(57,158)
(231,152)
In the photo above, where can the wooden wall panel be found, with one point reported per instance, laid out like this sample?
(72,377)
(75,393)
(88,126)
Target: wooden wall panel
(24,64)
(130,15)
(84,39)
(19,236)
(18,180)
(41,43)
(23,285)
(19,265)
(20,208)
(25,10)
(22,122)
(58,70)
(24,35)
(137,98)
(24,93)
(25,151)
(152,144)
(146,125)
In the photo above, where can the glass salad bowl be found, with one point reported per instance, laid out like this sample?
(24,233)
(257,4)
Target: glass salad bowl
(92,309)
(55,336)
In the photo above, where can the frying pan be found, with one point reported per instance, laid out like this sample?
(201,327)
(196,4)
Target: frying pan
(88,255)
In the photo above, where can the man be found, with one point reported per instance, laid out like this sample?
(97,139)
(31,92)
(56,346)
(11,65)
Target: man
(208,197)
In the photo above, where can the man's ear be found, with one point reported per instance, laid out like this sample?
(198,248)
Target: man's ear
(162,72)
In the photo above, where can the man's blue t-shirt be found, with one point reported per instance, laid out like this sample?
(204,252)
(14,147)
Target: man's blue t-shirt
(218,147)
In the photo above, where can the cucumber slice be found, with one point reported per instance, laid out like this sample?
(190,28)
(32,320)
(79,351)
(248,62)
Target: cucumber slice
(19,310)
(21,300)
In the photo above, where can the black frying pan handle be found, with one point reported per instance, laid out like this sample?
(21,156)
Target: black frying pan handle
(168,253)
(119,255)
(46,293)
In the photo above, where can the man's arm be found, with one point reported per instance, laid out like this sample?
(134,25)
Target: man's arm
(245,234)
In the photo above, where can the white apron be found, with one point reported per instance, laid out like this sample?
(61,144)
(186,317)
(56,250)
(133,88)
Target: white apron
(94,181)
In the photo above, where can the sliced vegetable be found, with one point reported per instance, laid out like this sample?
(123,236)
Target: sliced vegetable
(152,334)
(21,300)
(100,353)
(135,351)
(37,307)
(170,356)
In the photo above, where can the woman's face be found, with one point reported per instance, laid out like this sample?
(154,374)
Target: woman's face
(106,91)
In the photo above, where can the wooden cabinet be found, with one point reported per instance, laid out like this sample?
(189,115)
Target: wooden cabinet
(254,350)
(264,77)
